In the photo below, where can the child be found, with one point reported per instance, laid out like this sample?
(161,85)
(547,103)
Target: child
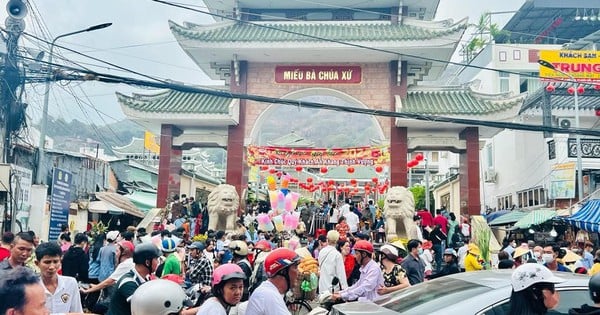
(380,227)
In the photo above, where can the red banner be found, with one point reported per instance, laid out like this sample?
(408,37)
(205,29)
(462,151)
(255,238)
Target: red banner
(366,156)
(318,74)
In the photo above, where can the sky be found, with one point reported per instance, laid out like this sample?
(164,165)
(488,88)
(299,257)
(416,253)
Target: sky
(140,40)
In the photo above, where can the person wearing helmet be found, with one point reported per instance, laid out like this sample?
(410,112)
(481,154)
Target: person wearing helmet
(145,258)
(450,264)
(261,249)
(533,290)
(394,276)
(200,268)
(227,290)
(158,297)
(172,265)
(585,309)
(281,267)
(240,254)
(370,279)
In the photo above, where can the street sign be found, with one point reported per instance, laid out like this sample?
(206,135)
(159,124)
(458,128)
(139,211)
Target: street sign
(583,65)
(59,201)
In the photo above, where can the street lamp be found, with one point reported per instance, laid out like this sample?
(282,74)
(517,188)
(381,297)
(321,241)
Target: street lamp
(40,178)
(548,65)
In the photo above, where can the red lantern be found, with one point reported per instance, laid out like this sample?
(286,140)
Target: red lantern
(550,88)
(298,168)
(597,87)
(309,180)
(378,169)
(353,182)
(374,179)
(580,90)
(597,110)
(279,174)
(323,170)
(419,157)
(350,169)
(272,171)
(330,182)
(571,90)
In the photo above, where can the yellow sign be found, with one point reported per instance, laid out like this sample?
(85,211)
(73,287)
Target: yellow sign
(150,142)
(583,65)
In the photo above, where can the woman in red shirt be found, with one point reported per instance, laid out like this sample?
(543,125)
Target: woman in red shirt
(349,261)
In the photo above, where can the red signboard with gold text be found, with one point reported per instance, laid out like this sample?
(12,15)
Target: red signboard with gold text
(318,74)
(317,157)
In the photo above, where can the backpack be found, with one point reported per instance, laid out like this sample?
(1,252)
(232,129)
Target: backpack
(258,276)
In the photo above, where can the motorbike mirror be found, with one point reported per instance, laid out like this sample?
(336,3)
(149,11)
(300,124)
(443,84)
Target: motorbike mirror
(335,281)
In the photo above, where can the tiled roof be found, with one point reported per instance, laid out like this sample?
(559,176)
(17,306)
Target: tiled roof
(177,102)
(561,99)
(290,32)
(459,101)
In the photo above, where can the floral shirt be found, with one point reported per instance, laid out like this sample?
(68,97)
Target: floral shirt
(343,229)
(395,277)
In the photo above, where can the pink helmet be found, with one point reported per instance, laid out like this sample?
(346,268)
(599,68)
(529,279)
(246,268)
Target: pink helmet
(227,272)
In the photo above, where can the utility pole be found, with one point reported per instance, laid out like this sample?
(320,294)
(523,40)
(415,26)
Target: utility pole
(15,25)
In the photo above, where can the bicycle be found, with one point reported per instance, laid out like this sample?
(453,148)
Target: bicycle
(298,306)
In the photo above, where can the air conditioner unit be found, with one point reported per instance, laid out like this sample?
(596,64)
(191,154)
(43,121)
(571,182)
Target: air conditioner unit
(566,123)
(490,176)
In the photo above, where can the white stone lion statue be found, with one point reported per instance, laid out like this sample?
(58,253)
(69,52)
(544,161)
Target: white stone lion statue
(399,211)
(223,204)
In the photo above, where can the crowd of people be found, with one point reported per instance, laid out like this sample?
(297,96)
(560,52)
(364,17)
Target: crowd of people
(248,271)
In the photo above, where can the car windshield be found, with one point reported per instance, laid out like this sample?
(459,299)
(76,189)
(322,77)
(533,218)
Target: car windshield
(416,299)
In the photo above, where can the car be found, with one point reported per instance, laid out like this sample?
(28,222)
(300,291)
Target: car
(482,293)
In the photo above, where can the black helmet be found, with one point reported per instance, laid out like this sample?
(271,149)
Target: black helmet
(144,252)
(594,287)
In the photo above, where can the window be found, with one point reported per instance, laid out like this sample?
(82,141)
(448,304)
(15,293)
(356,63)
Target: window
(489,156)
(502,55)
(505,202)
(531,197)
(529,81)
(504,82)
(569,298)
(516,54)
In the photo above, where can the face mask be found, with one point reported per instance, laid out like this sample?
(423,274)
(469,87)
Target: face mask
(537,254)
(547,258)
(420,251)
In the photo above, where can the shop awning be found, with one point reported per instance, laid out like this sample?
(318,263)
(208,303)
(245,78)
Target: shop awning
(114,203)
(588,217)
(535,217)
(508,218)
(143,200)
(496,214)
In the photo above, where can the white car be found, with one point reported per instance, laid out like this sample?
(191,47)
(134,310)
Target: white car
(480,292)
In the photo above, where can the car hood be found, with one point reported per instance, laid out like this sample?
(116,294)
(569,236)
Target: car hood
(352,308)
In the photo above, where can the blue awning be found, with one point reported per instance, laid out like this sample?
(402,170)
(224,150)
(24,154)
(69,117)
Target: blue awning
(588,217)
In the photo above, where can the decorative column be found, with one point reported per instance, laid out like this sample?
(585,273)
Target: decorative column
(169,166)
(398,135)
(470,203)
(236,134)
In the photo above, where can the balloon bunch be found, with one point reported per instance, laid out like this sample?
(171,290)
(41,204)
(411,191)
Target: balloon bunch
(283,203)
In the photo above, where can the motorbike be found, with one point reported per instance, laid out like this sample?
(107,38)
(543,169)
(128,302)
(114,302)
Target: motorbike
(325,301)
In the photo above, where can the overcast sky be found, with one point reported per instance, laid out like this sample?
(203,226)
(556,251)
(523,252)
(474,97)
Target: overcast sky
(140,40)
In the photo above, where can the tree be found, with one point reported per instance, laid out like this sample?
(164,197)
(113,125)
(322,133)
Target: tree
(419,195)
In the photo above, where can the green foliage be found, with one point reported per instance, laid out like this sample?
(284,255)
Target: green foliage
(419,195)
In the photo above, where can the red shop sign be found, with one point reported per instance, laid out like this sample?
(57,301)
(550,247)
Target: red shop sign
(318,74)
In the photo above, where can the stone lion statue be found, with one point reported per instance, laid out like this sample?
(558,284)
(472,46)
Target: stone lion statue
(399,211)
(223,204)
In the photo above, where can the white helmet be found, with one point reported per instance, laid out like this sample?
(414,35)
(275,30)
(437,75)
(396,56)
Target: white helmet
(158,297)
(529,274)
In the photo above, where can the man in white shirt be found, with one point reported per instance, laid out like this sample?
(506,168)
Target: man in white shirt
(353,220)
(331,264)
(62,293)
(125,264)
(281,267)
